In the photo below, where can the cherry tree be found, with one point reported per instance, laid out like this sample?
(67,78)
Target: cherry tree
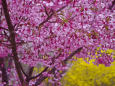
(51,32)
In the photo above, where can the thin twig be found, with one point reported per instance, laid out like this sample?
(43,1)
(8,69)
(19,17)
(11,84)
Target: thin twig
(3,28)
(31,69)
(39,74)
(49,17)
(113,3)
(23,70)
(46,11)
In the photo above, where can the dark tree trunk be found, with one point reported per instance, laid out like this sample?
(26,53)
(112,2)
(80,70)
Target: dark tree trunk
(4,72)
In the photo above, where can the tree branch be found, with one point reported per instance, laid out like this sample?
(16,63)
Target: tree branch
(29,74)
(23,70)
(46,11)
(113,3)
(3,28)
(72,54)
(39,74)
(41,78)
(49,17)
(53,61)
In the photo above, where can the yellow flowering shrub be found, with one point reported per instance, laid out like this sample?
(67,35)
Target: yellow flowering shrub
(88,74)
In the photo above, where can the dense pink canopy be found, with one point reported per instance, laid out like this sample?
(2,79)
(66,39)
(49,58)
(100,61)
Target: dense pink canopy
(45,29)
(73,24)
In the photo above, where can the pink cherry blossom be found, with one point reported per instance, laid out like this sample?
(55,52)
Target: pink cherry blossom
(49,32)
